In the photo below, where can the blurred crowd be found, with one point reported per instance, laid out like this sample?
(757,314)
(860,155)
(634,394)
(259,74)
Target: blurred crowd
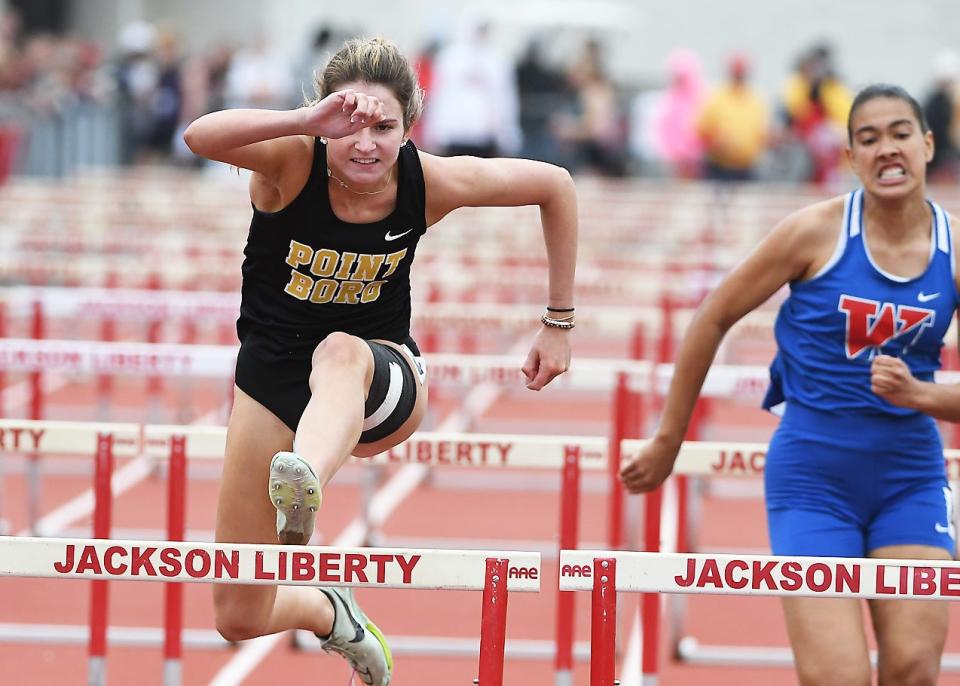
(479,101)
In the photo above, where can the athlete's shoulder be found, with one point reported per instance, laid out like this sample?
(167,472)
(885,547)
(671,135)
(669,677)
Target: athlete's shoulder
(820,219)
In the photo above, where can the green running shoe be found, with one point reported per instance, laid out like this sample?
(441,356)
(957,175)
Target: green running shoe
(295,492)
(358,640)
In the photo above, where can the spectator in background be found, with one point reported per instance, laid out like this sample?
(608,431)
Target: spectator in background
(473,105)
(815,71)
(136,76)
(597,129)
(423,66)
(542,93)
(167,97)
(257,78)
(217,67)
(318,52)
(149,86)
(674,124)
(733,126)
(940,109)
(815,107)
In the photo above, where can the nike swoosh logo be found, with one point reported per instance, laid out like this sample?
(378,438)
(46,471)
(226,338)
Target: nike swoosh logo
(392,237)
(941,529)
(926,297)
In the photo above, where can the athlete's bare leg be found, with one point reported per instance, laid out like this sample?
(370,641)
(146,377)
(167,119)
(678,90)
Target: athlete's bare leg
(828,640)
(246,515)
(910,633)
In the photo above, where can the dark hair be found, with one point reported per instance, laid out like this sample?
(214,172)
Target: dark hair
(885,90)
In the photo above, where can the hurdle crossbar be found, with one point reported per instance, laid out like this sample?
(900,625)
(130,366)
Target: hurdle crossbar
(494,451)
(218,361)
(261,564)
(713,458)
(494,573)
(752,575)
(768,575)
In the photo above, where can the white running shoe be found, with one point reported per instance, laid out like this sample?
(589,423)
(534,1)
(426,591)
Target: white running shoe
(358,640)
(295,492)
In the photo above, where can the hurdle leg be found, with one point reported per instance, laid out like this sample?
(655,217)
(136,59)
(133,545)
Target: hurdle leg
(173,592)
(569,515)
(493,624)
(38,332)
(3,376)
(603,629)
(103,494)
(650,602)
(621,402)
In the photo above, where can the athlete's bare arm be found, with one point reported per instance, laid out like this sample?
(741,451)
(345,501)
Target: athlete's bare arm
(795,250)
(277,145)
(891,379)
(454,182)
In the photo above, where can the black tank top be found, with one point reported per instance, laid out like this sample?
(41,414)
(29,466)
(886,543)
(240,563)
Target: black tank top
(306,273)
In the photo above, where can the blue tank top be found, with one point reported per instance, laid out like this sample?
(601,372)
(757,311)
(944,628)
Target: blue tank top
(831,326)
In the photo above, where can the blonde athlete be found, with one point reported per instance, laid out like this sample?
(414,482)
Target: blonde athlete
(327,368)
(855,467)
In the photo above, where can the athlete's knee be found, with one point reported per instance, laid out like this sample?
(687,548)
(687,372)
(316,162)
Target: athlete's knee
(234,619)
(341,349)
(915,669)
(833,673)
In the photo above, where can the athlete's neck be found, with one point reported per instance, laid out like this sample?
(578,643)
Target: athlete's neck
(358,190)
(896,221)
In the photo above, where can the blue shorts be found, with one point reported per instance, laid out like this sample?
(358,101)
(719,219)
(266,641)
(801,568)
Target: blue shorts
(841,485)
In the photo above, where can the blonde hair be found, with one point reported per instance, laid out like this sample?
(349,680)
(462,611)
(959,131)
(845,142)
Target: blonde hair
(373,60)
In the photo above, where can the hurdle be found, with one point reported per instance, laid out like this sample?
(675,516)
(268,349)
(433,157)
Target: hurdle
(493,572)
(699,459)
(568,454)
(606,573)
(171,444)
(104,442)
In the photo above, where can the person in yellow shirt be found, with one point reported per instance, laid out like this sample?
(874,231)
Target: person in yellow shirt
(815,71)
(733,126)
(815,107)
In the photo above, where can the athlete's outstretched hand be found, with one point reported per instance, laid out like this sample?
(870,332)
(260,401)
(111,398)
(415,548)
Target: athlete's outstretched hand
(549,357)
(651,466)
(342,113)
(891,379)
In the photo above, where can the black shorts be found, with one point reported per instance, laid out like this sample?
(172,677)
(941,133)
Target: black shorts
(277,375)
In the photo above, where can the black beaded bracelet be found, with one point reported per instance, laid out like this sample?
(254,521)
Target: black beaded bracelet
(561,309)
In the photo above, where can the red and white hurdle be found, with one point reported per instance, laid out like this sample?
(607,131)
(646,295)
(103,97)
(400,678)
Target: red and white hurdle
(173,444)
(494,573)
(606,573)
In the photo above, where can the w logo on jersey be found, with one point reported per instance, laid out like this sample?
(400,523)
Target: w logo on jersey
(872,324)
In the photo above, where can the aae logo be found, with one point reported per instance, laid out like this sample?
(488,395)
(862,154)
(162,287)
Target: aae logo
(523,573)
(583,571)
